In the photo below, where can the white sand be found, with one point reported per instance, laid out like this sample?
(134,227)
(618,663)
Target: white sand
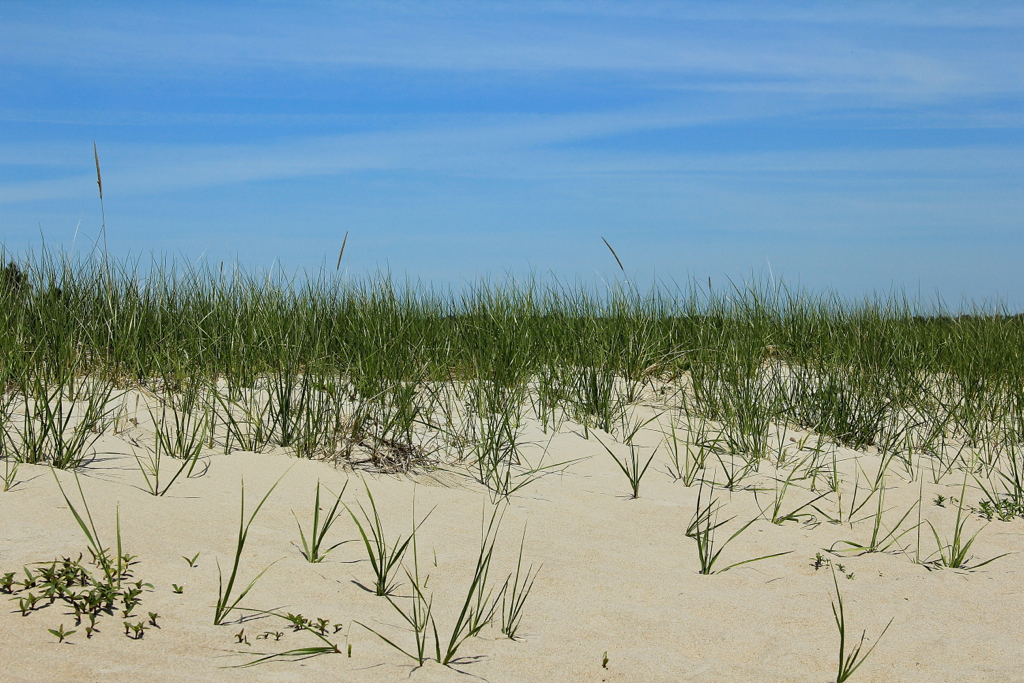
(618,575)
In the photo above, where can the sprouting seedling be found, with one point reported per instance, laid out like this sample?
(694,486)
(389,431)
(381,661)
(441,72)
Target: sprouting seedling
(604,660)
(191,560)
(153,616)
(60,633)
(276,635)
(178,590)
(299,623)
(312,548)
(848,663)
(135,631)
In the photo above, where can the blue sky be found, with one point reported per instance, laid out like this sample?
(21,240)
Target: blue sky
(851,146)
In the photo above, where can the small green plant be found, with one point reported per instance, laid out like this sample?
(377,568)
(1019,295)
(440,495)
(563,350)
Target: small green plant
(10,474)
(882,537)
(1003,509)
(276,635)
(849,662)
(180,438)
(114,567)
(631,467)
(312,549)
(135,631)
(226,602)
(191,560)
(178,590)
(940,501)
(781,488)
(68,580)
(698,446)
(478,609)
(702,530)
(604,660)
(318,628)
(60,633)
(419,614)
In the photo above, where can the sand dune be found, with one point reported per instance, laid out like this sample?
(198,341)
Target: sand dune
(618,576)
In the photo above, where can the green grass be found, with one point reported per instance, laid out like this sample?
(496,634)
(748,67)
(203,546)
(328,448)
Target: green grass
(227,599)
(313,549)
(389,376)
(319,359)
(385,558)
(850,659)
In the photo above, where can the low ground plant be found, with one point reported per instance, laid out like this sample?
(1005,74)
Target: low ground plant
(954,552)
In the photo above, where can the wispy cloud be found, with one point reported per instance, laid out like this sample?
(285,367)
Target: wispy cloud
(424,120)
(519,147)
(858,49)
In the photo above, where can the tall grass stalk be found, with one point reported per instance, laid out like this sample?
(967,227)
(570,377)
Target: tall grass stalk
(227,600)
(850,661)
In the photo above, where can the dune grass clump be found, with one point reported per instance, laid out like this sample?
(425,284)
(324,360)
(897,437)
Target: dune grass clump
(479,608)
(631,466)
(703,527)
(385,558)
(347,370)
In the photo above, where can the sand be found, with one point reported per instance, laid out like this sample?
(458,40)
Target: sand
(619,576)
